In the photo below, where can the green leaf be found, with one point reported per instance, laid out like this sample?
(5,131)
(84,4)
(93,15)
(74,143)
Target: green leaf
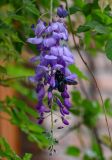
(83,28)
(27,156)
(108,106)
(32,8)
(94,26)
(76,70)
(108,49)
(7,152)
(74,9)
(19,70)
(73,151)
(19,116)
(16,17)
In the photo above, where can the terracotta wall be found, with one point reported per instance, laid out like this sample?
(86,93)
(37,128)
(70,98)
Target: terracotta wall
(7,130)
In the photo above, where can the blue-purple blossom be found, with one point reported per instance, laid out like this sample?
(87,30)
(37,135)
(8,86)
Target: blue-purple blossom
(61,12)
(52,73)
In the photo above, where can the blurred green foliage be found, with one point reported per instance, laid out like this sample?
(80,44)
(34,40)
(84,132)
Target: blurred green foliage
(7,152)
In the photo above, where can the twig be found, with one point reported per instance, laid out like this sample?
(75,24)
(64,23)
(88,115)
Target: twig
(98,142)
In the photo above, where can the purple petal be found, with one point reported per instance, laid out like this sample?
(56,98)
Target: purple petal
(59,103)
(72,77)
(40,28)
(65,94)
(59,36)
(67,72)
(61,12)
(38,105)
(54,51)
(41,71)
(41,93)
(50,60)
(68,60)
(67,52)
(59,27)
(50,57)
(65,121)
(48,30)
(57,66)
(65,111)
(67,103)
(61,111)
(40,121)
(61,61)
(42,68)
(49,42)
(50,96)
(42,109)
(52,82)
(35,40)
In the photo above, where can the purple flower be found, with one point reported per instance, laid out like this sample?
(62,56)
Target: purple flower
(61,12)
(51,72)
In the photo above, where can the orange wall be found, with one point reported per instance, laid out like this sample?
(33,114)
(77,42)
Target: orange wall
(7,130)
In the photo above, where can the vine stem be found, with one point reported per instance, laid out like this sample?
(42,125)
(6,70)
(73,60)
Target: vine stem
(91,73)
(51,8)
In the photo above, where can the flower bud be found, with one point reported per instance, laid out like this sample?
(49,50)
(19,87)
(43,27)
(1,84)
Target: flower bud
(61,12)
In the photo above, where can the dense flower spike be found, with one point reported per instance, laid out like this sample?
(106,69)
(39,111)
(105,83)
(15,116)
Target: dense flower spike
(52,70)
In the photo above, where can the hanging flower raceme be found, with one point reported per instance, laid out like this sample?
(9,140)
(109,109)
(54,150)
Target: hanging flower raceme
(52,71)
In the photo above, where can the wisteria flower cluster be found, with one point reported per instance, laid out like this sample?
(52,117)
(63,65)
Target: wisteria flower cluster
(52,70)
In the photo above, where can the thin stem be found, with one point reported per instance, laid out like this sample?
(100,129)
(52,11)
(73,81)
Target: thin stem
(51,9)
(91,73)
(52,120)
(98,142)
